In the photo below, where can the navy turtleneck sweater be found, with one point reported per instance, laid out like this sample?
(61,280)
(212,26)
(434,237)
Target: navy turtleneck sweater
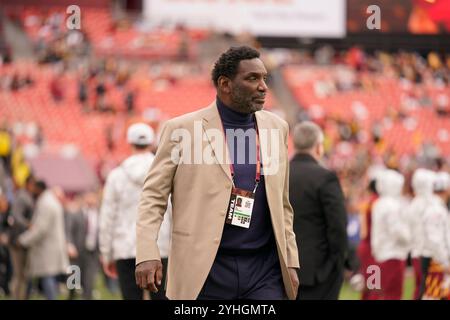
(260,232)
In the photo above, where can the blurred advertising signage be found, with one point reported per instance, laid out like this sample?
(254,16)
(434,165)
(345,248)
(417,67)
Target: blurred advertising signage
(401,16)
(293,18)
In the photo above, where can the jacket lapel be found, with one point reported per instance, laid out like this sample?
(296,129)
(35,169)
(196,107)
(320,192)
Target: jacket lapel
(265,141)
(212,123)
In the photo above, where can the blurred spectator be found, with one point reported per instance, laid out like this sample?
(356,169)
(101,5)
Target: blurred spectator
(72,212)
(46,240)
(129,101)
(5,146)
(15,84)
(3,177)
(100,99)
(184,45)
(21,215)
(324,55)
(390,233)
(377,132)
(119,210)
(436,222)
(364,248)
(442,105)
(345,130)
(320,217)
(355,58)
(110,144)
(353,233)
(56,89)
(5,262)
(28,81)
(82,237)
(422,183)
(122,76)
(39,137)
(20,168)
(83,93)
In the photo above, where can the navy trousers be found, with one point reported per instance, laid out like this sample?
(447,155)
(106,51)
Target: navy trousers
(251,276)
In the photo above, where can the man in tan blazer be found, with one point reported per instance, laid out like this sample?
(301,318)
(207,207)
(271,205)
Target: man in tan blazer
(218,252)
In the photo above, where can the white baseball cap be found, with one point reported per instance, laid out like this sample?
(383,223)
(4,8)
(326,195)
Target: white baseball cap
(140,134)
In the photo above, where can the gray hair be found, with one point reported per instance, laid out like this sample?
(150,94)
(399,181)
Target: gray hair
(306,135)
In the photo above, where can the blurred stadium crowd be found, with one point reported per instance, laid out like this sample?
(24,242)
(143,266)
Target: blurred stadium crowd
(82,90)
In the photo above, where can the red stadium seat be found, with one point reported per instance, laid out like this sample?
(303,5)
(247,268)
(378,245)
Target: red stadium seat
(387,95)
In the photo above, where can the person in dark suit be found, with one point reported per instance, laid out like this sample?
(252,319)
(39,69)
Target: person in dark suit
(82,235)
(320,217)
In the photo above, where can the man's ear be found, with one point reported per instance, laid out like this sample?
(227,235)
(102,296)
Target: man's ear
(224,84)
(319,150)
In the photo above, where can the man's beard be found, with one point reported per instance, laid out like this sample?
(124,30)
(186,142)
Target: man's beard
(243,104)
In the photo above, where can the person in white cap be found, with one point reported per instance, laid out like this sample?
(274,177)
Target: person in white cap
(436,222)
(422,184)
(119,211)
(391,236)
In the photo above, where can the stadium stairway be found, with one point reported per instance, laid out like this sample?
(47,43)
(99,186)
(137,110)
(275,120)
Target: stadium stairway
(284,96)
(20,44)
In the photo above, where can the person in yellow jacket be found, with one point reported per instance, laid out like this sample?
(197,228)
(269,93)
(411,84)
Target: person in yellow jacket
(20,168)
(5,146)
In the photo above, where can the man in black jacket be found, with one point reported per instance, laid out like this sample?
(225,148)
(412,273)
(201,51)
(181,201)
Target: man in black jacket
(320,217)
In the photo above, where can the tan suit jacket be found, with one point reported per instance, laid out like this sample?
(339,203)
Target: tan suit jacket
(200,196)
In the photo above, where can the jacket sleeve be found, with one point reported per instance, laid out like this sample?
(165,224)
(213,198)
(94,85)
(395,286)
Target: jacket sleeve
(292,250)
(435,229)
(68,226)
(40,226)
(376,228)
(333,206)
(71,226)
(398,226)
(108,215)
(154,197)
(17,210)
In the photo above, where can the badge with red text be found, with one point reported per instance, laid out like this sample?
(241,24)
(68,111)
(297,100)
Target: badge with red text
(240,208)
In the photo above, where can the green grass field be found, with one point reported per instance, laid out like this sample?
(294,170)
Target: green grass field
(347,293)
(102,293)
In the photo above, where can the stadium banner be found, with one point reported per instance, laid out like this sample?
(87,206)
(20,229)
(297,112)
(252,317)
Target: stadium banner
(286,18)
(420,17)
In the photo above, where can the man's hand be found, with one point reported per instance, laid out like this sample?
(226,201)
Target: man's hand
(110,269)
(4,239)
(294,278)
(72,251)
(149,275)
